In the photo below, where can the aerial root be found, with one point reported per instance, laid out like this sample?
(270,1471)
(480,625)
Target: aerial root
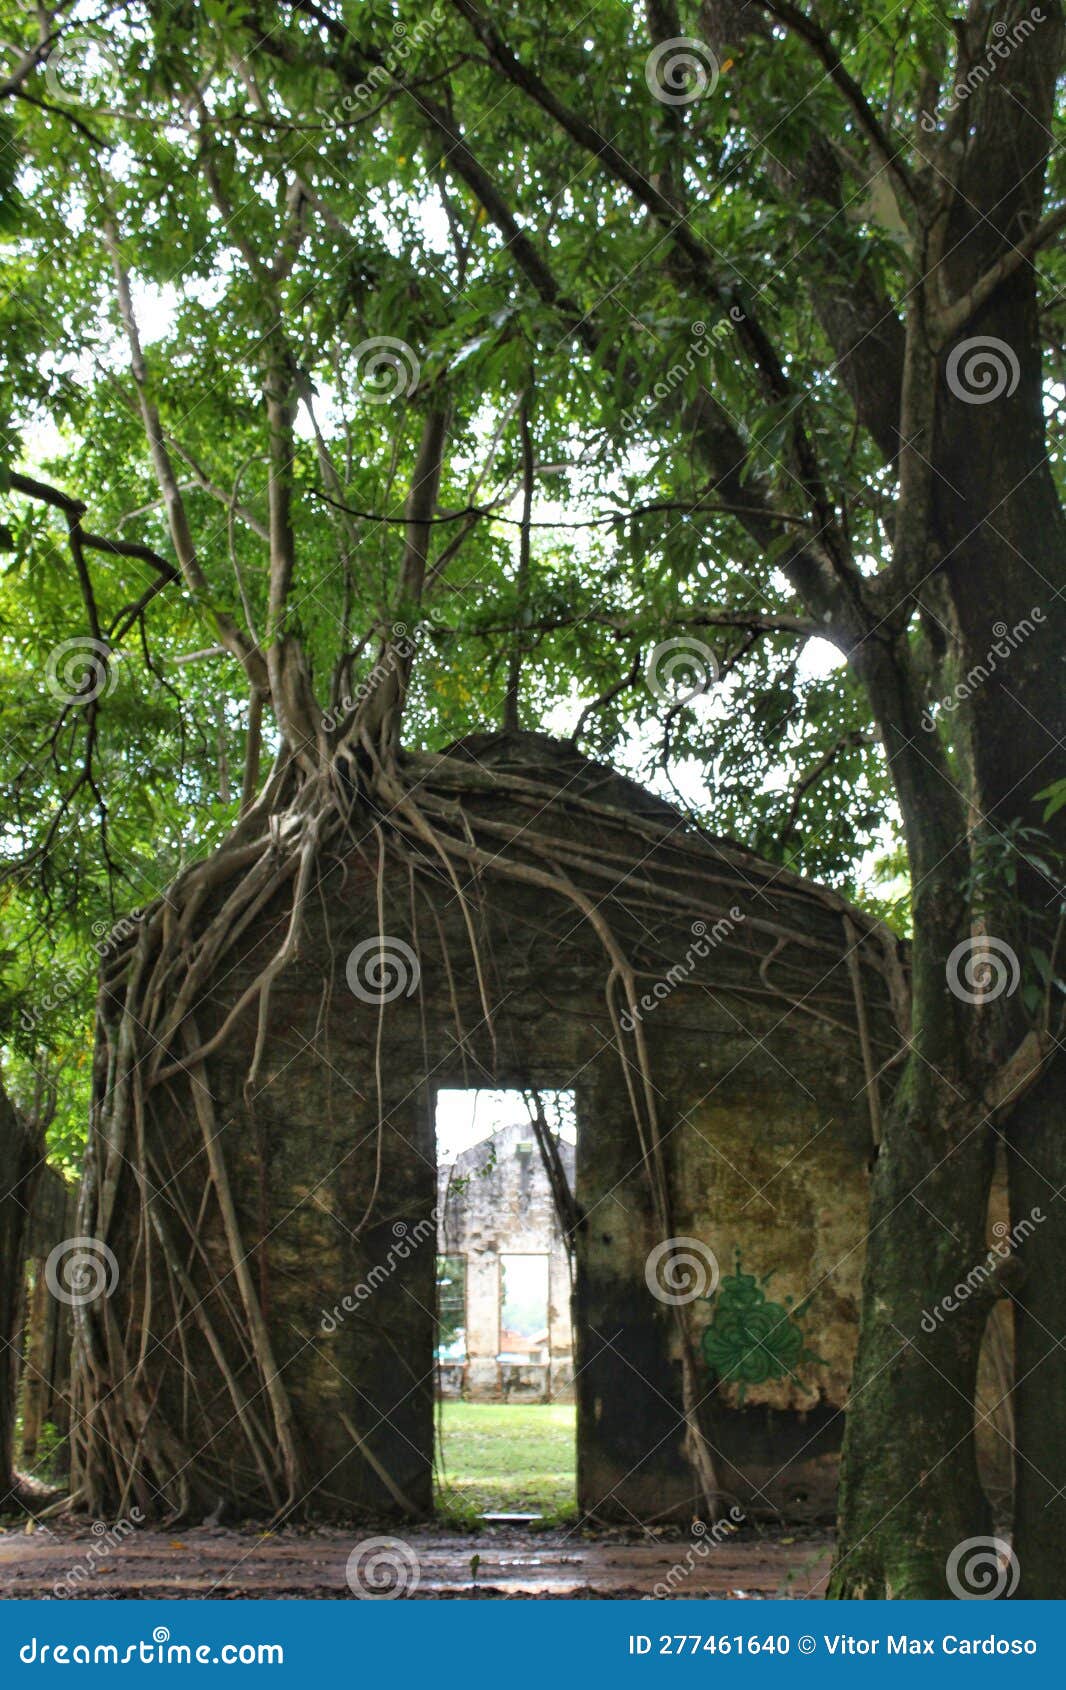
(425,818)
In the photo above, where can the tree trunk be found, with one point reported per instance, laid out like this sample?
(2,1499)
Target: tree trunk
(37,1373)
(20,1165)
(997,532)
(1037,1172)
(913,1389)
(1002,521)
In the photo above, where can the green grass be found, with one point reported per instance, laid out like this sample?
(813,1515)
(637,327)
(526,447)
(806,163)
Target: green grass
(499,1458)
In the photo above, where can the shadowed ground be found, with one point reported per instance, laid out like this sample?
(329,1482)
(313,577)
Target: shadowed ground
(206,1561)
(495,1458)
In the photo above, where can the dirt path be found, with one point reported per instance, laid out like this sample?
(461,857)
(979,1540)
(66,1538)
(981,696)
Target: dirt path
(72,1560)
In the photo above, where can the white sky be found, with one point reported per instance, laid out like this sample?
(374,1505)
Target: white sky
(155,308)
(466,1117)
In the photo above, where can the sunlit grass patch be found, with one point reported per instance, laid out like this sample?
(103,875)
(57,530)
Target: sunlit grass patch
(499,1458)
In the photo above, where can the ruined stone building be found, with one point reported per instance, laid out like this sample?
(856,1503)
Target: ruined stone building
(728,1031)
(504,1276)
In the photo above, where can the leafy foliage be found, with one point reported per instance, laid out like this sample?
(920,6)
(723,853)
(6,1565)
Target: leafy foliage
(284,193)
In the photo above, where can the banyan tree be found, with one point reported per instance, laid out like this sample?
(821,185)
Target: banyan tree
(412,378)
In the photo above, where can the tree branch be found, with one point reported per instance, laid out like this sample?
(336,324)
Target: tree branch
(951,319)
(514,662)
(697,258)
(813,775)
(822,46)
(248,656)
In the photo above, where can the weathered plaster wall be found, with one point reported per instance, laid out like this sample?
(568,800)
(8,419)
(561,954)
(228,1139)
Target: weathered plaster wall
(768,1147)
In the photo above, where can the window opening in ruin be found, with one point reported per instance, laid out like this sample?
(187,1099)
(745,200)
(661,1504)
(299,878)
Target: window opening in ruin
(451,1308)
(525,1341)
(504,1349)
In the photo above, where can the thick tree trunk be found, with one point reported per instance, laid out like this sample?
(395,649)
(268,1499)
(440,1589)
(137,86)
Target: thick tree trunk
(913,1387)
(997,531)
(1002,523)
(1037,1171)
(20,1165)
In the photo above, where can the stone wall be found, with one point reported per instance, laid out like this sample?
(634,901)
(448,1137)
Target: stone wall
(762,1100)
(766,1132)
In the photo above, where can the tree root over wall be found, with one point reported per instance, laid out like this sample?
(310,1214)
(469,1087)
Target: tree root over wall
(454,815)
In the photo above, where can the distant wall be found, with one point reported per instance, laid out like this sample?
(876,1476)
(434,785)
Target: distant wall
(495,1199)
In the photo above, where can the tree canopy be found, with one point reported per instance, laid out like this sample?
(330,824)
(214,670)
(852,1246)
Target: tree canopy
(685,378)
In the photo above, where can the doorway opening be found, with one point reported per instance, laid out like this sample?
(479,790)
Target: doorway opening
(505,1415)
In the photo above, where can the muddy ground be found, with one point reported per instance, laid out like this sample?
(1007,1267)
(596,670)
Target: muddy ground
(73,1560)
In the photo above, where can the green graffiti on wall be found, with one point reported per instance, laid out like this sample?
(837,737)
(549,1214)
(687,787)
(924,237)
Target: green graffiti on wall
(751,1340)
